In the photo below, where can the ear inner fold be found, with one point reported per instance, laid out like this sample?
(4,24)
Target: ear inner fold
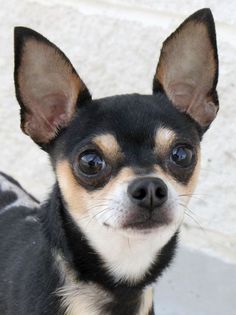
(187,71)
(47,86)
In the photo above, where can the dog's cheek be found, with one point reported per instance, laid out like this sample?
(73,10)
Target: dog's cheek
(182,191)
(185,191)
(75,196)
(103,205)
(109,205)
(179,194)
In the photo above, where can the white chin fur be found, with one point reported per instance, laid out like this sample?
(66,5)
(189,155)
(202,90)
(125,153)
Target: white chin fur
(127,257)
(127,254)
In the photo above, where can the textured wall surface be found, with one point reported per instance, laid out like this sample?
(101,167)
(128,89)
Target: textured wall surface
(114,45)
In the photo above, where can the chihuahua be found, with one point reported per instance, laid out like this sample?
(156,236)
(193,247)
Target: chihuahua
(125,169)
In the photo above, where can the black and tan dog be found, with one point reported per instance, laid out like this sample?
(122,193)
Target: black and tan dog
(125,168)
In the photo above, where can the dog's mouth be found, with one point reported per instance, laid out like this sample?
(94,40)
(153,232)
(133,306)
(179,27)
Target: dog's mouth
(145,225)
(143,222)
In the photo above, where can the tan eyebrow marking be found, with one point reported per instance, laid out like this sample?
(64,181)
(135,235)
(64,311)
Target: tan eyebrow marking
(163,139)
(109,146)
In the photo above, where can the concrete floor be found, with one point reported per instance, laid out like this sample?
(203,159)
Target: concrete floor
(197,284)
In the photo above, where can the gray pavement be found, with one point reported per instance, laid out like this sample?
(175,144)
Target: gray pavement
(197,284)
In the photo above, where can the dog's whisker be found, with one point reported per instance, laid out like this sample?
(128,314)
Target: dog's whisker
(192,215)
(108,199)
(97,206)
(97,214)
(88,216)
(195,221)
(105,222)
(128,240)
(187,209)
(193,197)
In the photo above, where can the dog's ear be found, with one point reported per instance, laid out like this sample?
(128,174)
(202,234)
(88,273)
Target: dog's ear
(47,86)
(187,71)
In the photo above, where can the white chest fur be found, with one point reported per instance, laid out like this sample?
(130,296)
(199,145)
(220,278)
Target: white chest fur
(88,299)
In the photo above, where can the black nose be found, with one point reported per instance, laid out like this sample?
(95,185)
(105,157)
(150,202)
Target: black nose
(148,192)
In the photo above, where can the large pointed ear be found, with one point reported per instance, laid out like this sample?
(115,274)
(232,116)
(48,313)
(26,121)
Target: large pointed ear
(47,86)
(187,71)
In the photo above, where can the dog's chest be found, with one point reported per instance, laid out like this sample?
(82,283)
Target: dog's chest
(88,299)
(79,298)
(83,299)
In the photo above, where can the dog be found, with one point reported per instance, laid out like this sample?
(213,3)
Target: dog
(125,167)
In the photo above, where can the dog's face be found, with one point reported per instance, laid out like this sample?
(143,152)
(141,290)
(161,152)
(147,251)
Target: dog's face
(126,165)
(128,162)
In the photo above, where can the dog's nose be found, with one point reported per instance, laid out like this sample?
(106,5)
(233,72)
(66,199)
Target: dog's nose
(148,192)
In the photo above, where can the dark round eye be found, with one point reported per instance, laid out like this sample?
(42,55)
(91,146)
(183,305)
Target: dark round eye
(182,156)
(91,162)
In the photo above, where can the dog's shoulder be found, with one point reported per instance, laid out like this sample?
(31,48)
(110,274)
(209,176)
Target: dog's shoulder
(25,254)
(19,215)
(13,195)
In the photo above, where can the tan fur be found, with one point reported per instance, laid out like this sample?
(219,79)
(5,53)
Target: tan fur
(78,198)
(77,298)
(125,175)
(74,194)
(67,275)
(193,181)
(87,299)
(109,146)
(80,298)
(83,299)
(147,302)
(182,189)
(188,189)
(186,71)
(163,140)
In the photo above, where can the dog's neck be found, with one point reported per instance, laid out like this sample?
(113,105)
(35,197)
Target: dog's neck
(88,298)
(85,283)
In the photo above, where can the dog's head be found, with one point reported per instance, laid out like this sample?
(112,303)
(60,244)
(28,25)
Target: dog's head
(127,163)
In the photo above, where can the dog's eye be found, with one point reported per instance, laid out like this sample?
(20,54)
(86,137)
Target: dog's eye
(91,162)
(182,156)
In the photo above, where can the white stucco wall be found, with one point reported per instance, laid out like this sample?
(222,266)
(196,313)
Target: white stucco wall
(114,45)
